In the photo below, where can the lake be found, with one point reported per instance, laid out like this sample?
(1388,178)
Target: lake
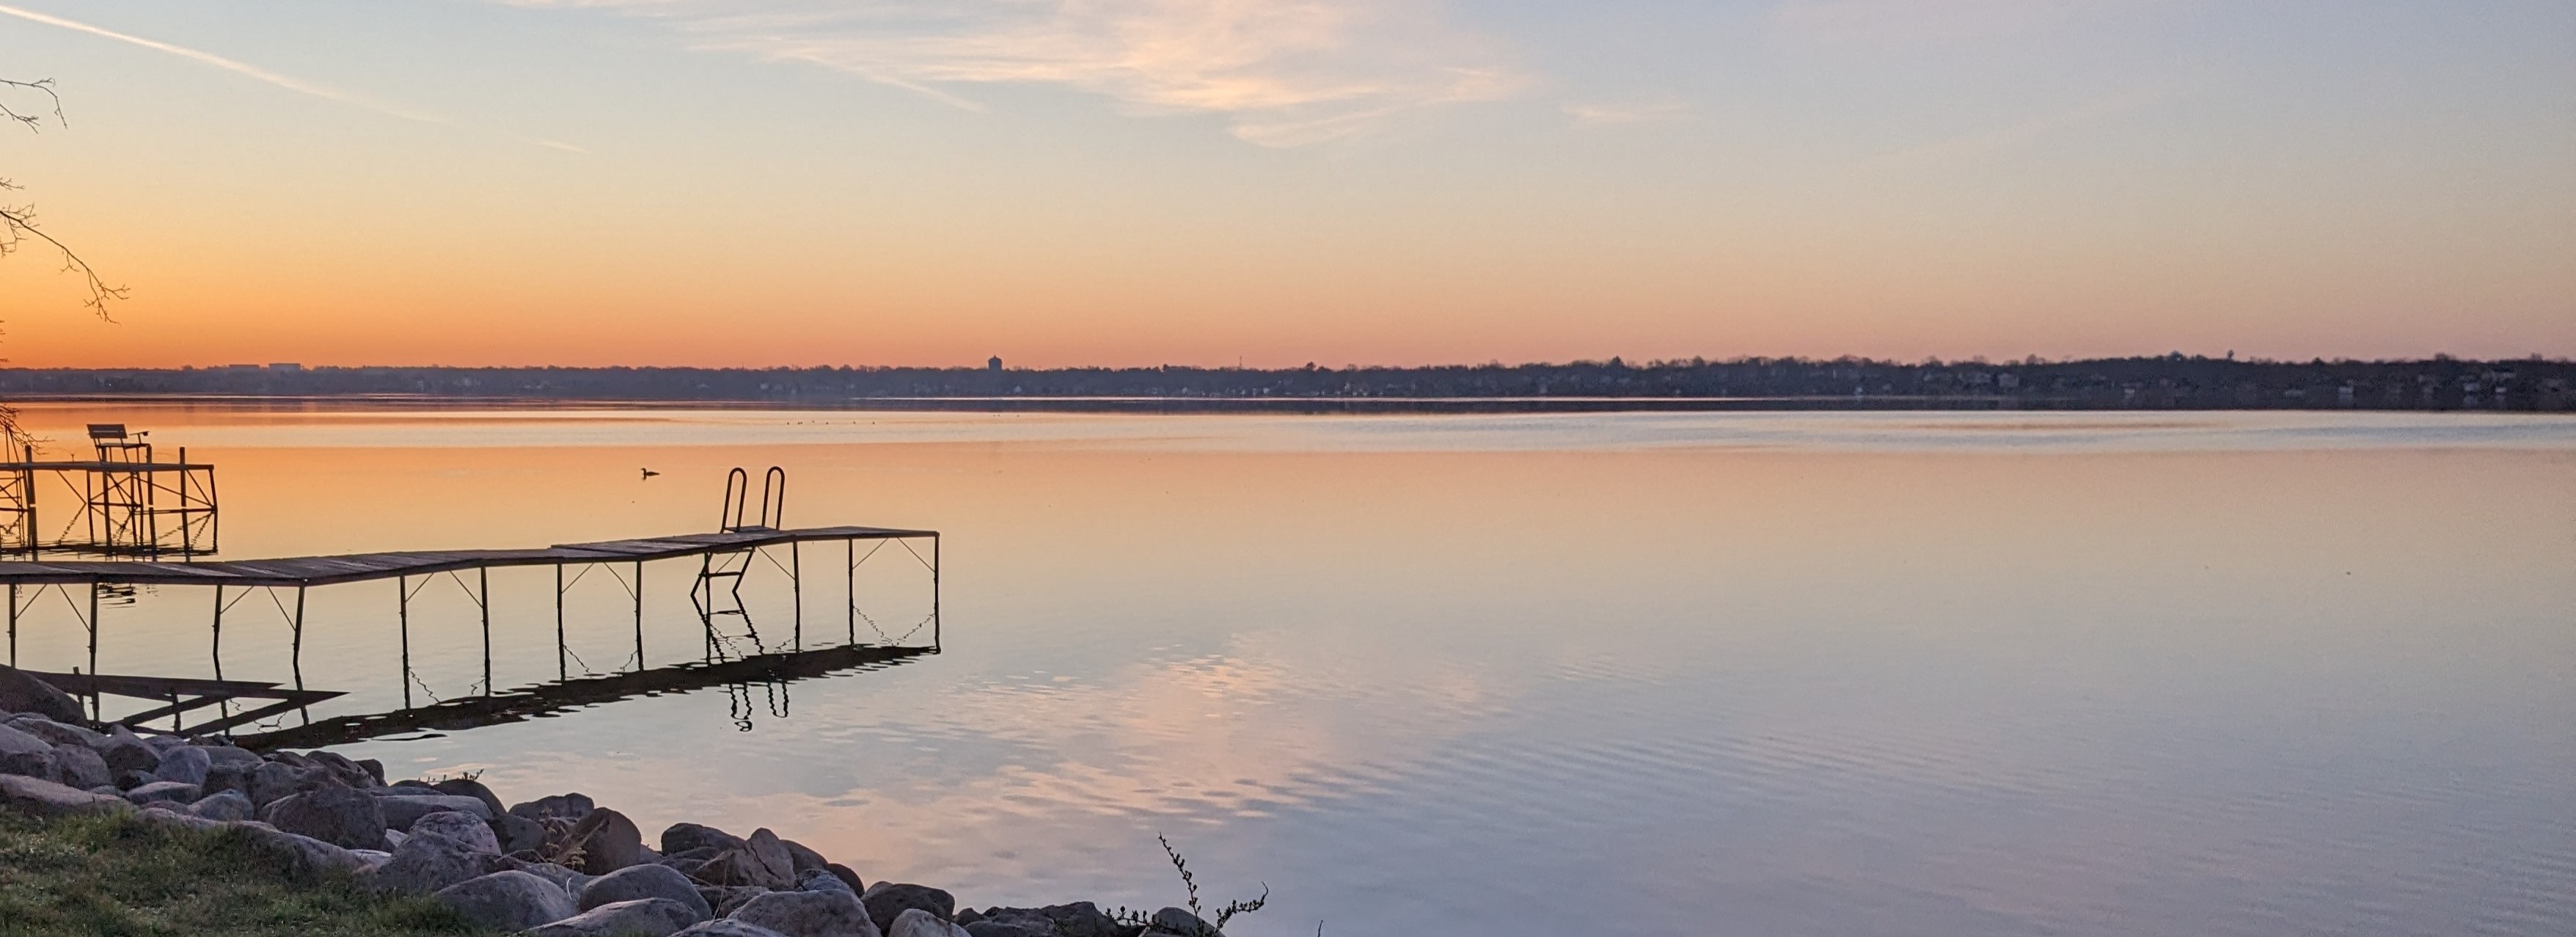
(1704,673)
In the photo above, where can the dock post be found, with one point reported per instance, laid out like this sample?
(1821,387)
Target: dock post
(483,577)
(934,592)
(639,614)
(402,621)
(95,587)
(562,671)
(796,589)
(13,624)
(218,650)
(296,655)
(851,586)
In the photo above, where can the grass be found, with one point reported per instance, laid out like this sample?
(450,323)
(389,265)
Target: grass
(113,877)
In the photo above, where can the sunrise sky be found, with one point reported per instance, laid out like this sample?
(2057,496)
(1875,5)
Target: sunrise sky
(798,182)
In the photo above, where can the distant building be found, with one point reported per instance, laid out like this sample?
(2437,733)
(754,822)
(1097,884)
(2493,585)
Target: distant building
(993,364)
(286,366)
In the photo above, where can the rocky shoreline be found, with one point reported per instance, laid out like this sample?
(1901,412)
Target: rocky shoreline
(556,866)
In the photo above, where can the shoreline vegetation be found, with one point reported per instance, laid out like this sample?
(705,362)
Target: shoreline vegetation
(2174,381)
(104,831)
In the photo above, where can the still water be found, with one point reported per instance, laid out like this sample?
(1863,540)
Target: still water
(1848,674)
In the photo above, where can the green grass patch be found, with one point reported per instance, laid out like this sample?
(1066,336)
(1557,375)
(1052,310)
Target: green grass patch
(86,876)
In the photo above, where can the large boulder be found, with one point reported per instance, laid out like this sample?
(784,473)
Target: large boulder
(518,833)
(352,773)
(727,899)
(78,766)
(43,798)
(642,917)
(231,755)
(824,880)
(1179,922)
(277,780)
(564,806)
(59,733)
(1079,919)
(223,805)
(124,752)
(888,900)
(427,862)
(646,881)
(568,880)
(508,901)
(21,693)
(464,827)
(337,815)
(762,861)
(608,842)
(27,756)
(401,811)
(468,787)
(809,914)
(914,922)
(683,837)
(303,855)
(727,928)
(185,764)
(172,792)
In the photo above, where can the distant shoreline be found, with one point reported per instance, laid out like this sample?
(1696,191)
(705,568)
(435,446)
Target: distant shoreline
(1219,405)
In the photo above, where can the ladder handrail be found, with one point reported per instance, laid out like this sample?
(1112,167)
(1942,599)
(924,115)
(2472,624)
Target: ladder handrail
(778,475)
(729,513)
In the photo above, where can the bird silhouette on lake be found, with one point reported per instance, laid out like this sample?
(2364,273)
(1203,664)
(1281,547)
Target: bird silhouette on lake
(648,473)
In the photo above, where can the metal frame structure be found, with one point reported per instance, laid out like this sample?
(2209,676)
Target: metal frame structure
(129,503)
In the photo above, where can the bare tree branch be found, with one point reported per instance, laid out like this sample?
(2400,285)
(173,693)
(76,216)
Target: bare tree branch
(18,222)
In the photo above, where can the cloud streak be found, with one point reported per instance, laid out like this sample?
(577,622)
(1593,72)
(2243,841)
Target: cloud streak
(1283,72)
(208,58)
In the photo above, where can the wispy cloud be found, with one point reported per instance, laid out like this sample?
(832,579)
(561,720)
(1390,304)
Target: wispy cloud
(1285,72)
(239,68)
(1626,113)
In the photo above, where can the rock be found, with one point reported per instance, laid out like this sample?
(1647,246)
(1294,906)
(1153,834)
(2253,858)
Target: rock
(1181,922)
(509,901)
(162,744)
(229,776)
(684,837)
(642,917)
(373,768)
(1009,927)
(129,780)
(846,876)
(727,928)
(464,827)
(42,798)
(28,756)
(809,914)
(277,780)
(185,764)
(914,922)
(823,879)
(803,860)
(124,752)
(345,771)
(370,860)
(78,766)
(163,815)
(886,900)
(231,755)
(608,841)
(427,862)
(727,899)
(21,693)
(223,805)
(304,855)
(570,881)
(1079,919)
(160,791)
(336,815)
(762,860)
(517,832)
(468,787)
(394,839)
(58,732)
(647,881)
(567,806)
(400,812)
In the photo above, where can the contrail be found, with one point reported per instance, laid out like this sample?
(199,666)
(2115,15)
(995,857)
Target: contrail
(209,58)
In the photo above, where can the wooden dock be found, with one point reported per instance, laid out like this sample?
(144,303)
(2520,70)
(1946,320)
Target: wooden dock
(360,567)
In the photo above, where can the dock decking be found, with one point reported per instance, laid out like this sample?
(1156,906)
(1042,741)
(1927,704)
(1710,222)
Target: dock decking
(361,567)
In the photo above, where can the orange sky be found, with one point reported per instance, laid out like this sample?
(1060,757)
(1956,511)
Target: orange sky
(1201,182)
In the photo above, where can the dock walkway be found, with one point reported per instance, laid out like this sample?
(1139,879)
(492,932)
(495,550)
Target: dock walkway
(360,567)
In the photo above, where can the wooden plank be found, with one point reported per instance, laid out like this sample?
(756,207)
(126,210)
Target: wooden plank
(357,567)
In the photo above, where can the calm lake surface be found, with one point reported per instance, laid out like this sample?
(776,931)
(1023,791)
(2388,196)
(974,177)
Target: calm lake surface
(1794,674)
